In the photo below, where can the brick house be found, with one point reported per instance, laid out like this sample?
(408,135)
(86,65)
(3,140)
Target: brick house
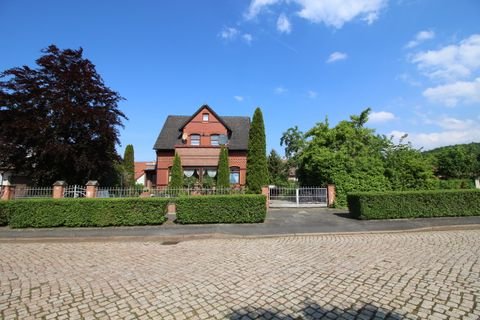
(197,140)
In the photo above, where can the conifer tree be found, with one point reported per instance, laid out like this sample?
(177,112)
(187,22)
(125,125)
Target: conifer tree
(129,166)
(223,177)
(257,170)
(176,180)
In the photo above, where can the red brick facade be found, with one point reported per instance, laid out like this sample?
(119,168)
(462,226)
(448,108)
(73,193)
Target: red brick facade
(200,155)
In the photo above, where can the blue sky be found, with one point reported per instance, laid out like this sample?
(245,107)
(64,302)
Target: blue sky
(415,63)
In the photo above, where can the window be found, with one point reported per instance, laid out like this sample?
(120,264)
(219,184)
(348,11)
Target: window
(195,139)
(234,175)
(205,117)
(214,140)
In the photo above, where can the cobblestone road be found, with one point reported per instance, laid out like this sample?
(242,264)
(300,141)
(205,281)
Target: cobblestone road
(424,275)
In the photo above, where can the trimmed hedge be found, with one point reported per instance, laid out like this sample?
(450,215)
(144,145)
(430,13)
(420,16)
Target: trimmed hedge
(44,213)
(221,209)
(3,214)
(414,204)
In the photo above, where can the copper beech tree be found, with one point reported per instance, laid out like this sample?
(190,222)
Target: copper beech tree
(59,121)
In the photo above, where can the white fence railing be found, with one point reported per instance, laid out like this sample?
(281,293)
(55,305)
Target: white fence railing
(33,192)
(298,197)
(114,192)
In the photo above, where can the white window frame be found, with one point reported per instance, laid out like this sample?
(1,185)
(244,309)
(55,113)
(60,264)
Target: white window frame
(191,139)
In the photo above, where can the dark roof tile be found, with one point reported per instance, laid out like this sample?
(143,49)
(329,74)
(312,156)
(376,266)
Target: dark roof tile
(171,135)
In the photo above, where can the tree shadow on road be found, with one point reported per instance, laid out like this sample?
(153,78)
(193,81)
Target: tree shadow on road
(312,310)
(345,215)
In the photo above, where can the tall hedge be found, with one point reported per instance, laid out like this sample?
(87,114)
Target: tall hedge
(129,166)
(176,180)
(223,177)
(414,204)
(45,213)
(257,169)
(243,208)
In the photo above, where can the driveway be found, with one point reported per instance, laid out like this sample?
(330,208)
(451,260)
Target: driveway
(407,275)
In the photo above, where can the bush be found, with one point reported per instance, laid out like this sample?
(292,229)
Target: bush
(414,204)
(3,213)
(221,209)
(44,213)
(455,184)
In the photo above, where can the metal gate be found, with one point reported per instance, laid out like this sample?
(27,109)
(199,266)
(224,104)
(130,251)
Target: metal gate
(298,197)
(74,191)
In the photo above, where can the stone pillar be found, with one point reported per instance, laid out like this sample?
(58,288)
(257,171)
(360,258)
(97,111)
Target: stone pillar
(58,189)
(91,187)
(477,183)
(266,192)
(8,191)
(330,195)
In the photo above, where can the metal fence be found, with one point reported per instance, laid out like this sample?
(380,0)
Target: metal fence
(298,197)
(33,192)
(115,192)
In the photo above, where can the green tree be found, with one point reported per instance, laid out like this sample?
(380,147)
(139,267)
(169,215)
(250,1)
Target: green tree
(129,166)
(406,168)
(347,155)
(277,169)
(294,141)
(176,180)
(59,121)
(257,171)
(457,162)
(223,174)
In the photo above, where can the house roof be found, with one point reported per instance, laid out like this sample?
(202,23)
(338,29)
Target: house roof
(142,166)
(206,106)
(171,133)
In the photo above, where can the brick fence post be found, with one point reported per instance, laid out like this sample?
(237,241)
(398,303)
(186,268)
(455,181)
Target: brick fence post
(266,192)
(91,187)
(330,195)
(58,189)
(8,191)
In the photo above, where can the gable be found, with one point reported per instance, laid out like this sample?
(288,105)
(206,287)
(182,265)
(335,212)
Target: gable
(171,132)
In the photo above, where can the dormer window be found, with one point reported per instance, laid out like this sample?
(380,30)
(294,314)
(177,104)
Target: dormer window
(205,117)
(195,139)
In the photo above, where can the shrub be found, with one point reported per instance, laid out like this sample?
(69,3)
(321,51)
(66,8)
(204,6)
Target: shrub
(455,184)
(414,204)
(221,209)
(3,213)
(44,213)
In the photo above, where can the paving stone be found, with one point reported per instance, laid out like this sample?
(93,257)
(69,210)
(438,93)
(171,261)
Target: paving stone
(416,275)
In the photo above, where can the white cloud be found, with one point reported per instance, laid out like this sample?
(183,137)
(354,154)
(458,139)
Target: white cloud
(283,24)
(450,123)
(452,94)
(280,90)
(405,77)
(420,37)
(238,98)
(381,116)
(229,33)
(452,62)
(337,56)
(441,138)
(247,37)
(312,94)
(454,131)
(258,5)
(333,13)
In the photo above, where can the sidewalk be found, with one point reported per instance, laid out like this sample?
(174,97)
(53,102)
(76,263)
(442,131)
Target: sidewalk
(287,222)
